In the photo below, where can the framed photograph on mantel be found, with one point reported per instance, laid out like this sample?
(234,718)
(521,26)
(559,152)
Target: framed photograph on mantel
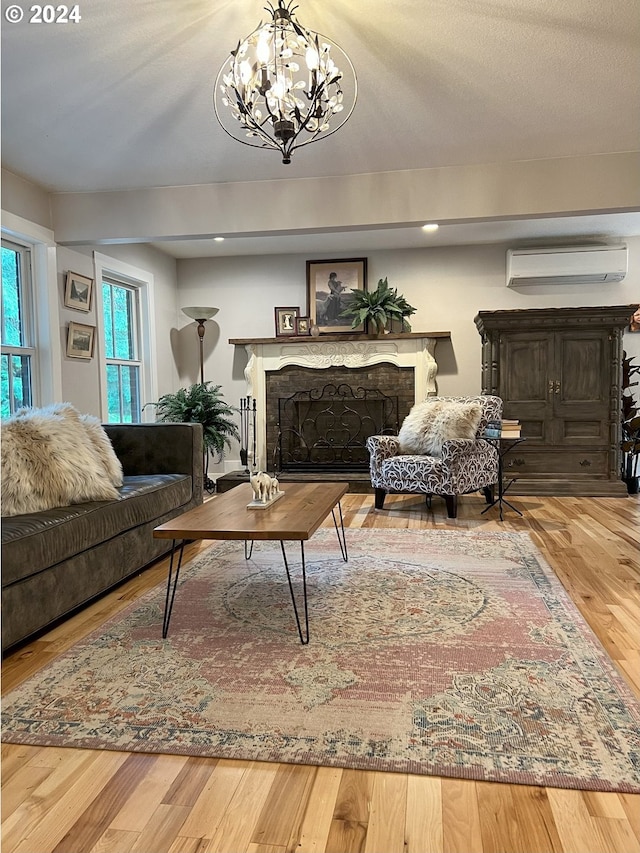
(77,291)
(286,321)
(329,285)
(303,325)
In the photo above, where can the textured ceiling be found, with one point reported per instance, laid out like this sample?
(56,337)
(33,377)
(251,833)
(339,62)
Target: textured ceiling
(123,99)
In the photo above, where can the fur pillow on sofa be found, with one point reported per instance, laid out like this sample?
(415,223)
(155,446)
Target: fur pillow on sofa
(103,448)
(49,460)
(429,424)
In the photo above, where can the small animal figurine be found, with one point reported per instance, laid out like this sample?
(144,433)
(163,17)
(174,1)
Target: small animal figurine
(275,487)
(255,485)
(261,485)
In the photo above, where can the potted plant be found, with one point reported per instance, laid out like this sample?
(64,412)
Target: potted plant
(201,403)
(630,427)
(378,308)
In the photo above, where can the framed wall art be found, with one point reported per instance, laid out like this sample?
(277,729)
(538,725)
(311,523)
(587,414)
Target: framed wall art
(329,285)
(78,291)
(303,325)
(80,340)
(634,321)
(286,321)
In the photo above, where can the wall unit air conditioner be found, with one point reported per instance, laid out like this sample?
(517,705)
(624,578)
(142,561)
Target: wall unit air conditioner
(570,265)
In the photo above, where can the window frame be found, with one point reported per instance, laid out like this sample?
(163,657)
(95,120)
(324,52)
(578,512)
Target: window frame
(134,331)
(141,281)
(27,349)
(43,309)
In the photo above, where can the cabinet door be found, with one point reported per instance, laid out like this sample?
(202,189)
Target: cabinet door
(526,364)
(581,388)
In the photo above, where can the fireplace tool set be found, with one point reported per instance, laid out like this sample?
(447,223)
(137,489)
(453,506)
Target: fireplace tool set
(247,433)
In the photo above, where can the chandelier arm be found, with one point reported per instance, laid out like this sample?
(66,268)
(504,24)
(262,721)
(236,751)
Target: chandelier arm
(264,136)
(314,100)
(325,134)
(317,135)
(255,127)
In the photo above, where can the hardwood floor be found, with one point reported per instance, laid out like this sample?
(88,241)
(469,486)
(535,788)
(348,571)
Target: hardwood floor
(84,801)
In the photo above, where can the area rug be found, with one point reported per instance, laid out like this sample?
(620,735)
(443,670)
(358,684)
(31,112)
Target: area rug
(432,652)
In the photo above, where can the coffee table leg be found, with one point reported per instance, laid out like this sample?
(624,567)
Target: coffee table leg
(303,639)
(171,594)
(248,549)
(342,541)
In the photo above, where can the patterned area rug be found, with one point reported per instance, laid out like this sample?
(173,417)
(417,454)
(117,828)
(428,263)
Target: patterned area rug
(433,652)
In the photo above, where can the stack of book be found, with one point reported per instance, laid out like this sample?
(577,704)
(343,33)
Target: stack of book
(510,429)
(502,429)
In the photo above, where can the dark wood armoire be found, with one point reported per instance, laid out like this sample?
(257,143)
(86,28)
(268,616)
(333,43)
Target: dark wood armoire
(559,371)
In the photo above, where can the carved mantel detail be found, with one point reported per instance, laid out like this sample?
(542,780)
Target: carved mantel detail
(415,350)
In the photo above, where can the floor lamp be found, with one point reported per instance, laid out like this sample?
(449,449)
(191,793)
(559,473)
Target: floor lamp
(201,315)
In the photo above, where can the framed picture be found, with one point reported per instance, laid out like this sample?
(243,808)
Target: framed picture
(77,292)
(80,340)
(286,321)
(303,325)
(329,284)
(634,321)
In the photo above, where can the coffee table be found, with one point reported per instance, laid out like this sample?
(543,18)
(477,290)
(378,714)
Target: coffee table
(296,516)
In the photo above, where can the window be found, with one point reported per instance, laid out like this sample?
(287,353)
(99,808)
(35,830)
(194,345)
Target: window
(18,350)
(121,312)
(127,351)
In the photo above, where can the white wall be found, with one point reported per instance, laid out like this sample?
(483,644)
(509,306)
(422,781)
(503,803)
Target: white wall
(80,377)
(26,199)
(81,380)
(448,286)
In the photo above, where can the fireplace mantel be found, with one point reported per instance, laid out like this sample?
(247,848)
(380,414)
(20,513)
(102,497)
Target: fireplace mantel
(338,338)
(409,349)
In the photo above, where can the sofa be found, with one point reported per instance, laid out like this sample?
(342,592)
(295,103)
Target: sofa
(58,559)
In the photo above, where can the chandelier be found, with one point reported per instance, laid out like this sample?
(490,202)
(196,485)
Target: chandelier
(281,87)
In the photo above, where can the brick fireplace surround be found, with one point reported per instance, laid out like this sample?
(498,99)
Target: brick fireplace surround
(400,365)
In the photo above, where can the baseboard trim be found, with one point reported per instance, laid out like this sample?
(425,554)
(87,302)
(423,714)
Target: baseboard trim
(568,488)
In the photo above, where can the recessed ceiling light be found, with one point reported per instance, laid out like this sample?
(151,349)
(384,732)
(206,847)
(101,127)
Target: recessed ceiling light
(430,226)
(219,239)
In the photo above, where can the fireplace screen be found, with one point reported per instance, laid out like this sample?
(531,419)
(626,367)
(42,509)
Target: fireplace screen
(326,428)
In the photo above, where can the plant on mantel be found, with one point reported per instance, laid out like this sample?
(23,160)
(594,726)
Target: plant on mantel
(379,308)
(630,426)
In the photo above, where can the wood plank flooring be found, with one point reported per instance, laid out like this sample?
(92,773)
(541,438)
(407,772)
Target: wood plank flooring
(84,801)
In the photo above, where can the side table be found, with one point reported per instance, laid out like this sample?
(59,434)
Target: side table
(503,446)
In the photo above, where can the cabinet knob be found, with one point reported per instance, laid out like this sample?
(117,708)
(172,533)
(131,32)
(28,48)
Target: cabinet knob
(585,463)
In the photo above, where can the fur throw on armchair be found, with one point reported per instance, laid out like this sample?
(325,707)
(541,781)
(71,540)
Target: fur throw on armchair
(55,457)
(430,423)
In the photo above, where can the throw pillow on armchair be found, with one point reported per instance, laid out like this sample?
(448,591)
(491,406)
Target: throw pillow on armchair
(430,423)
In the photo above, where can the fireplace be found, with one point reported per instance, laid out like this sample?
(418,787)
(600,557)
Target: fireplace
(323,425)
(385,377)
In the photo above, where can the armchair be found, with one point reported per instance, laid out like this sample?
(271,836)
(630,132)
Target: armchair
(464,465)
